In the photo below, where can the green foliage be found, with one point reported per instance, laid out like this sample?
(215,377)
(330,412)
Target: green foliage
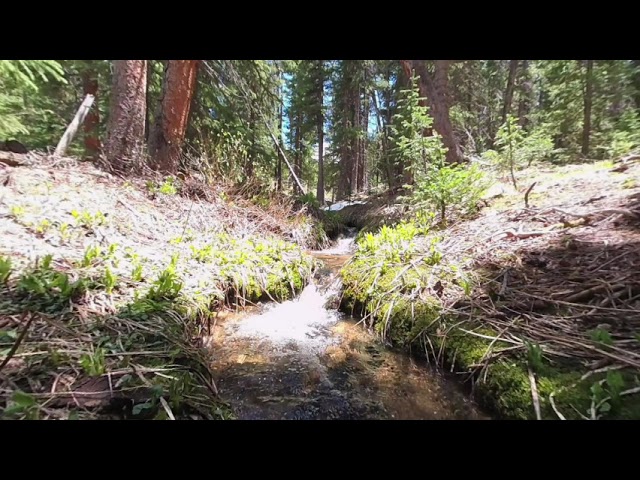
(17,211)
(446,187)
(48,287)
(93,363)
(397,244)
(110,280)
(88,220)
(624,137)
(517,148)
(137,272)
(417,152)
(22,405)
(91,254)
(309,199)
(601,336)
(167,187)
(5,269)
(43,227)
(19,78)
(534,356)
(168,284)
(509,137)
(65,233)
(436,184)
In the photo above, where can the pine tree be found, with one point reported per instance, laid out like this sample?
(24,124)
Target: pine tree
(125,132)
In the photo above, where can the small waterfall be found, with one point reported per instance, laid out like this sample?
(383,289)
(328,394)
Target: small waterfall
(306,320)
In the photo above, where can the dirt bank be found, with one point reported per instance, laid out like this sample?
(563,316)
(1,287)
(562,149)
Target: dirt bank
(538,306)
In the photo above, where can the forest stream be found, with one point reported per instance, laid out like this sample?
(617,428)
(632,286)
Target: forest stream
(302,359)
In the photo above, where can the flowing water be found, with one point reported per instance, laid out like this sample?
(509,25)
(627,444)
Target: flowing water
(302,359)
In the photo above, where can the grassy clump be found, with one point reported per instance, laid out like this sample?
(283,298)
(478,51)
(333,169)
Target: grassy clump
(405,290)
(115,316)
(255,269)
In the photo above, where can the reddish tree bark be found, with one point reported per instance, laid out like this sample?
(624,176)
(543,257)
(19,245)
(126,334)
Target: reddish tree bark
(435,87)
(125,131)
(526,91)
(92,120)
(280,159)
(320,127)
(588,97)
(508,94)
(170,124)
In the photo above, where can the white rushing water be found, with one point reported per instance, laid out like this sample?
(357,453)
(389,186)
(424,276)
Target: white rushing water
(304,320)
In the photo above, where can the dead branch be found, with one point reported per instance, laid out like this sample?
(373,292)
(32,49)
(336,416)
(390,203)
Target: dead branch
(607,211)
(18,341)
(71,130)
(526,195)
(513,233)
(534,394)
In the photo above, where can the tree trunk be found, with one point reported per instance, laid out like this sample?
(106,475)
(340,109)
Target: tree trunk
(364,170)
(526,91)
(588,97)
(92,120)
(297,166)
(320,126)
(248,170)
(279,162)
(435,86)
(170,125)
(147,117)
(635,79)
(125,132)
(320,192)
(355,142)
(508,94)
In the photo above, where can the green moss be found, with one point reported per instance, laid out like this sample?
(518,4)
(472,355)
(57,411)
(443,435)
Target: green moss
(380,283)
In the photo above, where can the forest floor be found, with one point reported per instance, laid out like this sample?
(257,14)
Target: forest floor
(107,285)
(550,326)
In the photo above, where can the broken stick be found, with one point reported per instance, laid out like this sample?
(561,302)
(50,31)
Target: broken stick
(526,195)
(71,130)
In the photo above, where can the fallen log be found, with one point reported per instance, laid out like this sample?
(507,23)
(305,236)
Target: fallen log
(14,159)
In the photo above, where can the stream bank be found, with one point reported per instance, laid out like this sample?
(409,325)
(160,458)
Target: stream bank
(302,359)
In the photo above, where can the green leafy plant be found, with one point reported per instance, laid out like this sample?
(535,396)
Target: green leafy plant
(517,149)
(450,186)
(136,273)
(606,393)
(5,269)
(534,356)
(415,150)
(203,254)
(43,227)
(22,405)
(49,287)
(309,199)
(189,235)
(167,187)
(509,137)
(65,233)
(88,220)
(110,280)
(168,285)
(601,336)
(17,211)
(20,79)
(91,253)
(93,363)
